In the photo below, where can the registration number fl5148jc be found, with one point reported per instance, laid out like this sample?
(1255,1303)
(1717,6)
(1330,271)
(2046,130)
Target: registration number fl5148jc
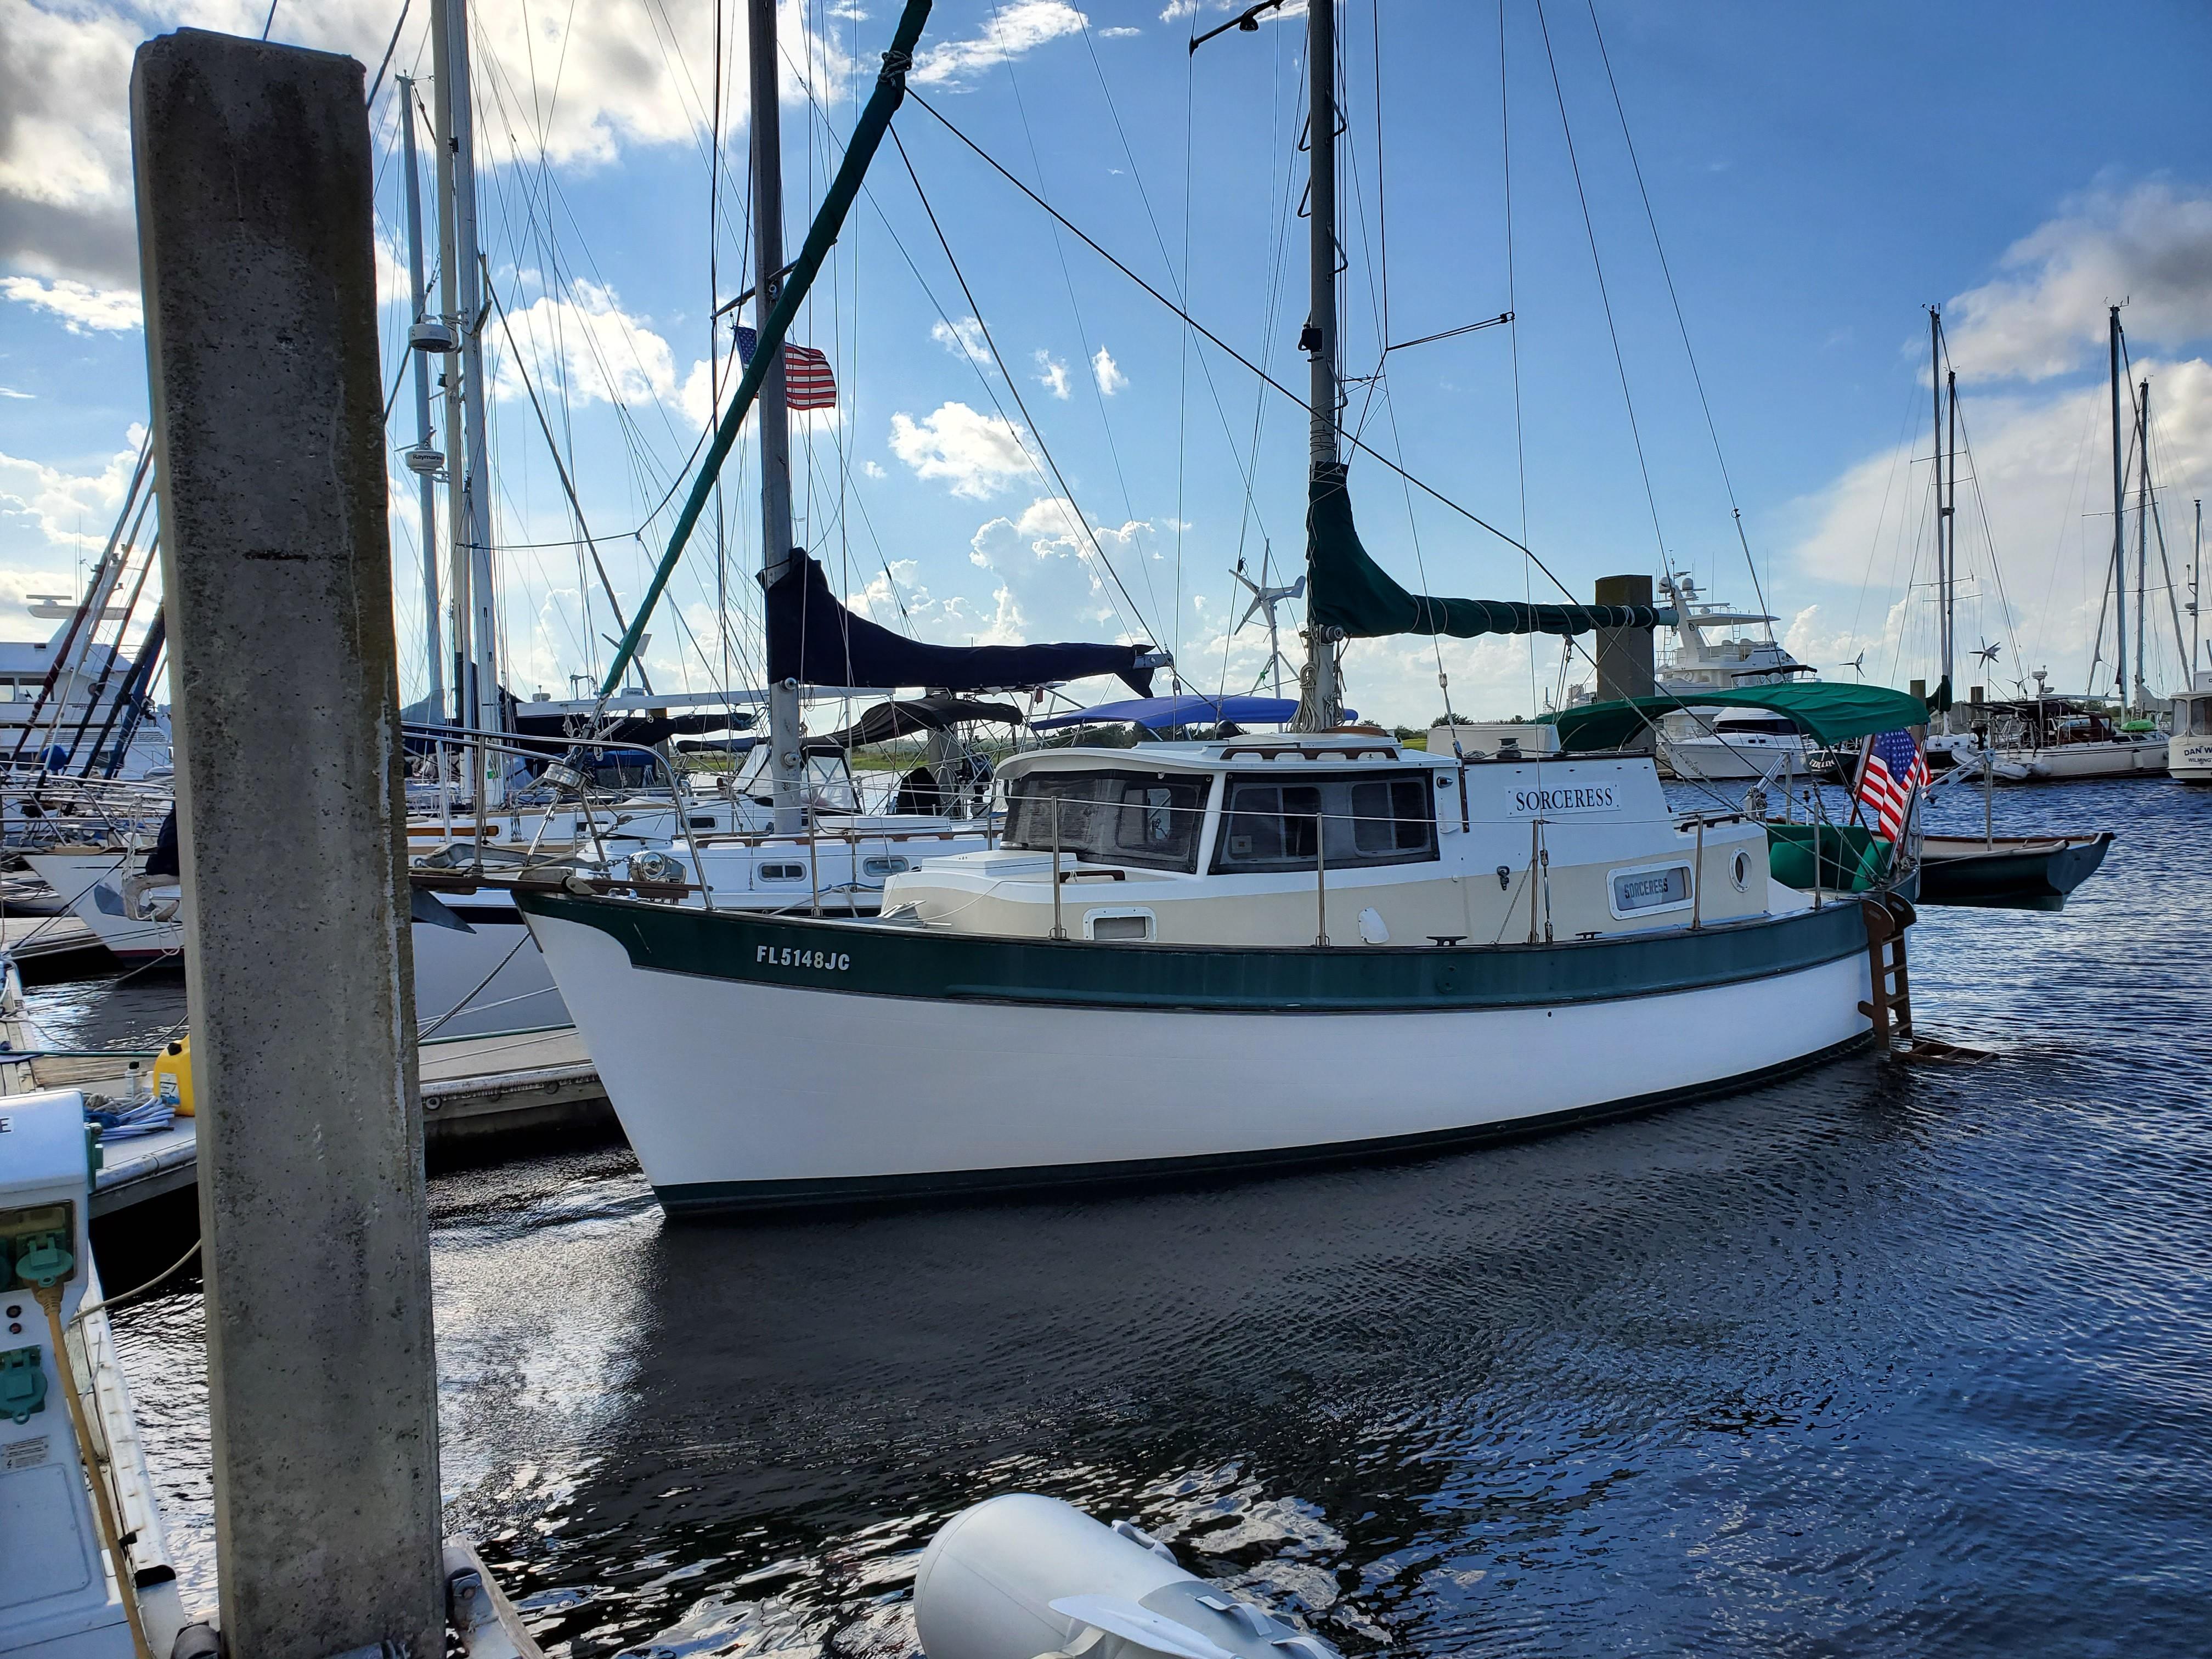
(783,955)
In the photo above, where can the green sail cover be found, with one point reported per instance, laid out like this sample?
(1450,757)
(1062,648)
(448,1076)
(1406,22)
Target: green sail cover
(1351,592)
(1826,714)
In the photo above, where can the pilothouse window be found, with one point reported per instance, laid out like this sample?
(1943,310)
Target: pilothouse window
(1110,817)
(1370,820)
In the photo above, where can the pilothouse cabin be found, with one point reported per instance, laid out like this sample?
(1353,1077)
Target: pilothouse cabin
(1341,836)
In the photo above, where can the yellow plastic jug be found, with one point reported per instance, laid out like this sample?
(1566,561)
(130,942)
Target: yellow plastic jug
(173,1077)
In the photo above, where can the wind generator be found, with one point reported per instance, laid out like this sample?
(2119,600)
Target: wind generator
(1265,598)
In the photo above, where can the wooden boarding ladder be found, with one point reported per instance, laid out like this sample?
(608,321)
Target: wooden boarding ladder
(1887,917)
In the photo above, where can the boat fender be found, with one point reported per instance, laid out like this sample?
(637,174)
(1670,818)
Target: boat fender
(1027,1577)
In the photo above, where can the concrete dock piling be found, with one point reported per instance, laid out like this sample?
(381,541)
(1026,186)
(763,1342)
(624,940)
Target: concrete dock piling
(253,174)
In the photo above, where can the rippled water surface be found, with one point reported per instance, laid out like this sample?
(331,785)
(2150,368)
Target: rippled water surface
(1882,1360)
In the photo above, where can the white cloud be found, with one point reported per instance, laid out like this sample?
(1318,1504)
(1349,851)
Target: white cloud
(1176,8)
(873,470)
(45,509)
(1109,376)
(1118,35)
(964,339)
(1052,375)
(590,346)
(1012,31)
(978,453)
(1045,562)
(2150,246)
(583,83)
(81,307)
(10,392)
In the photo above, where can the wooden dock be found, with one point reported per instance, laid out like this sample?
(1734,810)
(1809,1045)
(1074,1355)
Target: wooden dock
(50,942)
(476,1091)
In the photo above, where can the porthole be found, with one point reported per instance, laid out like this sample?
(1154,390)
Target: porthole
(1740,870)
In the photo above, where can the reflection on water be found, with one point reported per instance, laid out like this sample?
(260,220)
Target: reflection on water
(1874,1361)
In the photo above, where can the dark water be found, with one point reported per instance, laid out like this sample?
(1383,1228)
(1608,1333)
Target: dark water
(1881,1361)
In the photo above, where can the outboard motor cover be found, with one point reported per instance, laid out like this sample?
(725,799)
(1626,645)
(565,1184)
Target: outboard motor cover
(1026,1577)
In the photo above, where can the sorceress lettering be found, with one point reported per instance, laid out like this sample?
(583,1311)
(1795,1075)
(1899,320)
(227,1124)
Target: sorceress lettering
(1586,798)
(774,956)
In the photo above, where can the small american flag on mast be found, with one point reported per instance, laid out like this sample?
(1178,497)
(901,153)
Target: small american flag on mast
(1894,768)
(807,381)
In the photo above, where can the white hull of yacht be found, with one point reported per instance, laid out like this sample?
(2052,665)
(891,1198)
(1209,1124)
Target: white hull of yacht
(1733,760)
(853,1096)
(2189,759)
(2065,763)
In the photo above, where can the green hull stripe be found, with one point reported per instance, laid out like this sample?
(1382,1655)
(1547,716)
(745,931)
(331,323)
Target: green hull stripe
(712,1198)
(868,959)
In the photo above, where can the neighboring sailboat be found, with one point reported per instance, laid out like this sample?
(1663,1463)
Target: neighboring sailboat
(2064,739)
(1262,951)
(2035,873)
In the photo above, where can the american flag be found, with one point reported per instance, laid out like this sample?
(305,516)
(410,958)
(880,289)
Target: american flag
(1893,769)
(807,382)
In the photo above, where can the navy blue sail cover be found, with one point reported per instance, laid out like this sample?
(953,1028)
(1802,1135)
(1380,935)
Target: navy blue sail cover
(817,641)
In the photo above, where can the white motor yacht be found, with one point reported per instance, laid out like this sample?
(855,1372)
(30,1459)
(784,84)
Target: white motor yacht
(1725,745)
(2188,739)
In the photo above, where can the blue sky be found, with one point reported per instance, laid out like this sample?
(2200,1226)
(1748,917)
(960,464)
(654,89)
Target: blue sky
(1818,176)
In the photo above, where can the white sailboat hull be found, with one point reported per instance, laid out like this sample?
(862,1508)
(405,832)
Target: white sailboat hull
(2068,760)
(846,1097)
(495,969)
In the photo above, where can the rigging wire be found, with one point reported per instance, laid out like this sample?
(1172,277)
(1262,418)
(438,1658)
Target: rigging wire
(1215,340)
(1068,493)
(1425,488)
(1280,215)
(1075,310)
(1681,322)
(1605,299)
(1167,260)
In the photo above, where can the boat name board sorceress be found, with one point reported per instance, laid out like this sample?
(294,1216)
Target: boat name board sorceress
(1550,803)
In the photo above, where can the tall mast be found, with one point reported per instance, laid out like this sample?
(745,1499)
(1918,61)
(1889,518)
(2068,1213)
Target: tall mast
(449,371)
(476,492)
(1321,703)
(2119,524)
(2142,541)
(771,419)
(433,648)
(1951,540)
(2196,597)
(1942,511)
